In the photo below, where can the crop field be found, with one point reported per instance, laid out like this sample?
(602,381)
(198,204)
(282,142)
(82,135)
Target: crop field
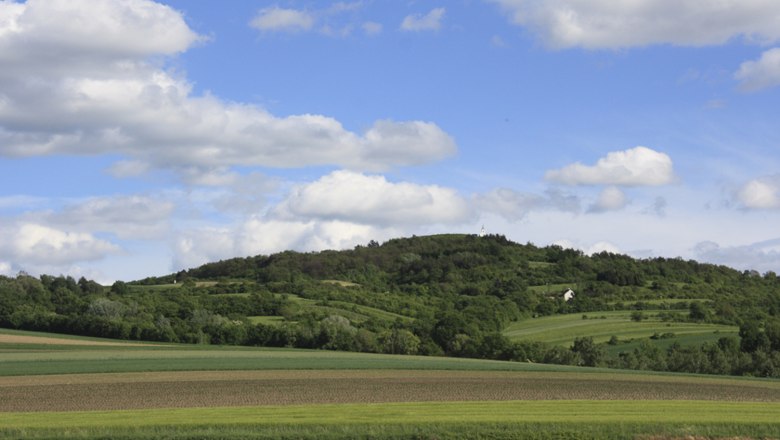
(51,389)
(601,326)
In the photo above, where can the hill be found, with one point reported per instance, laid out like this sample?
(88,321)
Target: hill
(454,295)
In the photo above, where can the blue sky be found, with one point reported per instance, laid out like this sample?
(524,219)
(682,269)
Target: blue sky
(139,138)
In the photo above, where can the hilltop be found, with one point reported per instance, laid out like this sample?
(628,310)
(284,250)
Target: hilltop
(455,295)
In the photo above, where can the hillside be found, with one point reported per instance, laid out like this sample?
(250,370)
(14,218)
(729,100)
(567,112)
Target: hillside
(455,295)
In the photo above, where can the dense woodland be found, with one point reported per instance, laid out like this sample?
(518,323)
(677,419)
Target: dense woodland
(436,295)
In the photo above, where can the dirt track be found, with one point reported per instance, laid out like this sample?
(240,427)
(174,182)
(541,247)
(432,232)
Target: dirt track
(24,339)
(243,388)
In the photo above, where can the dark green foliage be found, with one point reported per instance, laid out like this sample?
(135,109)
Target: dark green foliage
(445,294)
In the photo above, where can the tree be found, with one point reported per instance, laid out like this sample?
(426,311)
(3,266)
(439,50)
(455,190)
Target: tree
(120,288)
(399,341)
(590,354)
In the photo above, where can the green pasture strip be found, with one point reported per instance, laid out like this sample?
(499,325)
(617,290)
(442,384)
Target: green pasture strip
(558,411)
(371,311)
(340,283)
(661,301)
(683,340)
(563,329)
(125,360)
(266,320)
(553,288)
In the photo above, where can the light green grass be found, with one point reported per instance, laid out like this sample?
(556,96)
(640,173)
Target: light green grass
(341,283)
(563,329)
(266,320)
(683,340)
(594,417)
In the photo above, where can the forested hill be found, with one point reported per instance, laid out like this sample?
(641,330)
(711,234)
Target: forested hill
(445,294)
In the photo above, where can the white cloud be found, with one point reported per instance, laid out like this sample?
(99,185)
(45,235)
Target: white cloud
(5,269)
(762,256)
(514,205)
(595,248)
(278,19)
(639,166)
(760,74)
(370,199)
(32,244)
(267,236)
(611,199)
(762,193)
(427,22)
(602,246)
(607,24)
(88,31)
(82,92)
(138,217)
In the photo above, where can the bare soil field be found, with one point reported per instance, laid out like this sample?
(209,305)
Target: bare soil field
(42,340)
(79,392)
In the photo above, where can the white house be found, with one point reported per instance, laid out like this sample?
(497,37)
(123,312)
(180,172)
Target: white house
(568,295)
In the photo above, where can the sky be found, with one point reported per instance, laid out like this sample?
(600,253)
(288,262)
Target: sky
(140,137)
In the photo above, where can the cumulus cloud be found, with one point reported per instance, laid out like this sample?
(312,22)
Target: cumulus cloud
(371,199)
(595,248)
(128,217)
(424,22)
(337,211)
(761,74)
(90,90)
(276,19)
(514,205)
(602,246)
(266,236)
(762,193)
(600,24)
(639,166)
(611,198)
(31,244)
(762,256)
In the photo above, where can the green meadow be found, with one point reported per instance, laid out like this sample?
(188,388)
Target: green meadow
(521,420)
(601,326)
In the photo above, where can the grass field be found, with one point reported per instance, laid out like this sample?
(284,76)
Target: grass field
(601,326)
(183,392)
(518,419)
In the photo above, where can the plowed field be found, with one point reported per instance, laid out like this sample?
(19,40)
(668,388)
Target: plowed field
(248,388)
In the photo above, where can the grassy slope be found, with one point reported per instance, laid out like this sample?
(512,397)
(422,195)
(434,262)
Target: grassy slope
(563,329)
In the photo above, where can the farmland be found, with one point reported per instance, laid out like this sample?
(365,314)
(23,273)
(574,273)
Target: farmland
(601,326)
(174,390)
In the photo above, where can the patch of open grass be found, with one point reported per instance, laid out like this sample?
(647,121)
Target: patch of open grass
(563,329)
(598,419)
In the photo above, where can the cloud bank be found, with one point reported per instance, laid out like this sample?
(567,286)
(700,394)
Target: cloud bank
(600,24)
(639,166)
(73,89)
